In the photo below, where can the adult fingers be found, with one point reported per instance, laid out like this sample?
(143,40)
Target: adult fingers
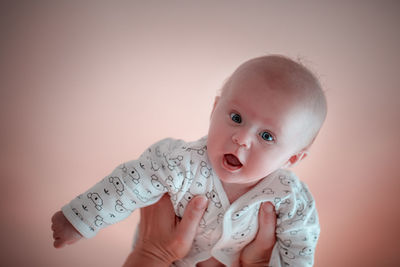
(172,238)
(160,215)
(259,251)
(164,212)
(194,211)
(267,223)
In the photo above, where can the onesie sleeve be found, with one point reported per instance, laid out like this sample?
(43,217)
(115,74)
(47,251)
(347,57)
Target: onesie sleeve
(134,184)
(297,226)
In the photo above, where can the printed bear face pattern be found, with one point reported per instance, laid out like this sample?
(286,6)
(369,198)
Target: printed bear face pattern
(130,172)
(77,213)
(119,207)
(171,184)
(157,184)
(98,202)
(204,170)
(241,234)
(119,186)
(236,215)
(173,162)
(213,196)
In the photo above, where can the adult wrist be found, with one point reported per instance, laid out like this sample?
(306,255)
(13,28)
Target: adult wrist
(149,257)
(257,260)
(262,263)
(145,258)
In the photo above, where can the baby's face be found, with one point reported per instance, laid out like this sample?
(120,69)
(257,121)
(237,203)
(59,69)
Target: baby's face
(255,130)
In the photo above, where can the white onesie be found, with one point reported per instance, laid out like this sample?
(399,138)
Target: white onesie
(183,170)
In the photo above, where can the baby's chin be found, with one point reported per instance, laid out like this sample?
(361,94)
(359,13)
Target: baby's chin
(237,178)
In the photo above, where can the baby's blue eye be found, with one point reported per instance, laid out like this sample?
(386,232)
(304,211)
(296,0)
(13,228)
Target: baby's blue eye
(236,118)
(267,136)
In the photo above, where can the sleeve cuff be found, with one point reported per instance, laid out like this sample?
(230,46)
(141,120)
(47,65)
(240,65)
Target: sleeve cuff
(85,229)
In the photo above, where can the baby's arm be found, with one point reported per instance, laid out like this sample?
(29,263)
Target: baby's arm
(130,186)
(63,231)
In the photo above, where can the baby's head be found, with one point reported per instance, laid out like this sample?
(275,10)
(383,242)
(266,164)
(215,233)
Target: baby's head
(267,115)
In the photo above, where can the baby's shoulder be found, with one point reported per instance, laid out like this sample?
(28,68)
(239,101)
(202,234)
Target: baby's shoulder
(172,144)
(168,144)
(285,184)
(298,189)
(176,151)
(282,178)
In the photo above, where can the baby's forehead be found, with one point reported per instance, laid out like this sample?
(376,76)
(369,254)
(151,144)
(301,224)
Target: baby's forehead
(276,75)
(280,75)
(255,82)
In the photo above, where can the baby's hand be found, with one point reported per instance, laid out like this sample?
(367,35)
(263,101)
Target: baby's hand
(63,231)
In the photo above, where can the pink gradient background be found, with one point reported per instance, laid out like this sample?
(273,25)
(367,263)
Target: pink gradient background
(85,87)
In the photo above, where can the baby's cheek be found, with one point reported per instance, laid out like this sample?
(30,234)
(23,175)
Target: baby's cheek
(257,168)
(263,164)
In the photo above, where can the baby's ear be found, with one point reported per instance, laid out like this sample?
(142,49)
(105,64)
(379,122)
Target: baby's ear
(296,158)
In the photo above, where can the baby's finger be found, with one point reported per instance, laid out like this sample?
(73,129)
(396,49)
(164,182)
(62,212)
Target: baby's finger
(186,230)
(56,216)
(58,243)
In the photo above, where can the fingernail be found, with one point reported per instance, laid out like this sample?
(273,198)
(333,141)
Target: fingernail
(200,202)
(268,207)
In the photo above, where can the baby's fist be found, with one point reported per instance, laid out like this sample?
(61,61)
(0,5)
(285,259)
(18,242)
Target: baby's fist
(63,231)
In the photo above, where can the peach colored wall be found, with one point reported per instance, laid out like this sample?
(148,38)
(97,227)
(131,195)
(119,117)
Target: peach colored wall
(87,86)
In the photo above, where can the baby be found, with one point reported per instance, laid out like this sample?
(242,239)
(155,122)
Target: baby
(268,114)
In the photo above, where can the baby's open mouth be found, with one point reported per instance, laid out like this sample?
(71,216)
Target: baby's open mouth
(232,162)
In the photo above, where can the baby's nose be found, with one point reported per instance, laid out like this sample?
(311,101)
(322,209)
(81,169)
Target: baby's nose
(242,138)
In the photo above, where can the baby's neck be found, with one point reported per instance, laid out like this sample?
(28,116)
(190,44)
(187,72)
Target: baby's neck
(234,191)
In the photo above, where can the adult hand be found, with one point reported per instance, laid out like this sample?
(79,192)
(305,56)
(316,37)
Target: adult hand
(160,244)
(162,237)
(258,252)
